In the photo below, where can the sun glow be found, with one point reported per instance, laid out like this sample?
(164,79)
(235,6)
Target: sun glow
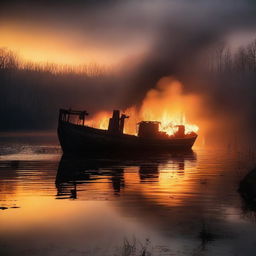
(38,44)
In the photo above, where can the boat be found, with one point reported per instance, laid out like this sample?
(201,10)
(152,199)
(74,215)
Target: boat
(76,137)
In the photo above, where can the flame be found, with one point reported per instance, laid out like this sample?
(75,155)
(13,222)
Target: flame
(171,127)
(166,104)
(100,120)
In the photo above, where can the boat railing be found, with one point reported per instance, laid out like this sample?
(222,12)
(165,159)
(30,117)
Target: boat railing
(65,115)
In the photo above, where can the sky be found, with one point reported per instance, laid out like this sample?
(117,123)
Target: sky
(114,32)
(142,41)
(76,33)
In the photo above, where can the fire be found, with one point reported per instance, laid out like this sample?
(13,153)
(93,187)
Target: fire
(166,104)
(100,120)
(171,127)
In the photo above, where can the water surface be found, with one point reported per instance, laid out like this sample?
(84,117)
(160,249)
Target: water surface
(107,205)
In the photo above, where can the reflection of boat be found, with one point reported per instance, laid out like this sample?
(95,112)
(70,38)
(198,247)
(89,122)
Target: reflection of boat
(77,138)
(74,171)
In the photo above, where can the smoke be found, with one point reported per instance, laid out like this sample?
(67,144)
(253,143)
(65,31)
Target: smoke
(191,34)
(188,29)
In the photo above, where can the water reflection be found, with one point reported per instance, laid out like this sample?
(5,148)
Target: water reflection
(74,171)
(186,201)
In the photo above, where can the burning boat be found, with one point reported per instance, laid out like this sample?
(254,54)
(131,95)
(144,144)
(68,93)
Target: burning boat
(76,137)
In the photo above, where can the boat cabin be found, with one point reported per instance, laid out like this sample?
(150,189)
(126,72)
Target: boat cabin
(66,115)
(148,129)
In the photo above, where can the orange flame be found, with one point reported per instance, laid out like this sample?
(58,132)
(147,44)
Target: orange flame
(100,120)
(166,103)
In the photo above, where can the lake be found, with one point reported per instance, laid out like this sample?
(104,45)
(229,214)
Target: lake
(149,204)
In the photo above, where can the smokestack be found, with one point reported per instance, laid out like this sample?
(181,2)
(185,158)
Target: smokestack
(113,126)
(116,123)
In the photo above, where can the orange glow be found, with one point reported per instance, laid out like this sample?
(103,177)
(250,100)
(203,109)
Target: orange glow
(100,120)
(41,45)
(174,184)
(166,103)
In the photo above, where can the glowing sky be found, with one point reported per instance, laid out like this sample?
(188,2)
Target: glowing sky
(39,44)
(108,33)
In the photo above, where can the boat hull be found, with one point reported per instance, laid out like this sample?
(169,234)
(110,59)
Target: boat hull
(78,139)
